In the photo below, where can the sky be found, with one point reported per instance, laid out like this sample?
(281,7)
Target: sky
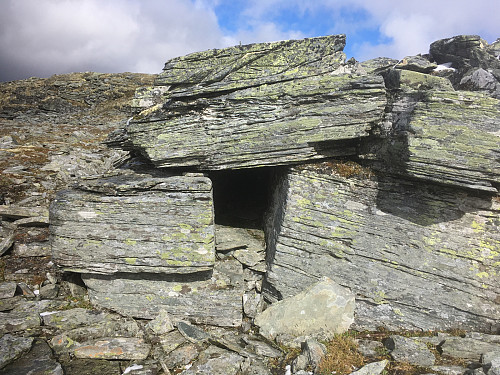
(39,38)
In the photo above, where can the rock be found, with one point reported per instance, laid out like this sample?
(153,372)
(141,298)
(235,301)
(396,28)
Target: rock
(253,304)
(291,101)
(335,219)
(182,355)
(114,348)
(49,291)
(261,348)
(108,326)
(254,367)
(192,333)
(13,347)
(91,366)
(171,340)
(374,368)
(135,223)
(406,349)
(416,143)
(7,289)
(322,310)
(215,361)
(416,63)
(313,351)
(203,298)
(162,324)
(421,82)
(39,361)
(486,358)
(449,370)
(40,249)
(494,366)
(468,348)
(16,212)
(370,348)
(479,79)
(7,241)
(12,322)
(73,318)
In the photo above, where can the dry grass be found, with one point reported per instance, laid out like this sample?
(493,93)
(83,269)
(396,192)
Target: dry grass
(342,357)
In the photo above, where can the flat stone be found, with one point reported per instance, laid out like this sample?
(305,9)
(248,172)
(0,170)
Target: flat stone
(38,361)
(261,348)
(321,310)
(73,318)
(162,324)
(25,322)
(7,289)
(468,348)
(216,361)
(7,241)
(204,298)
(32,249)
(182,355)
(109,326)
(249,258)
(416,63)
(406,349)
(449,370)
(12,347)
(17,212)
(126,348)
(192,333)
(374,368)
(272,120)
(370,348)
(49,291)
(135,223)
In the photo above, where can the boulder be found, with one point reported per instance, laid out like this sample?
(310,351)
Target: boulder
(322,310)
(135,223)
(13,347)
(408,350)
(417,256)
(257,105)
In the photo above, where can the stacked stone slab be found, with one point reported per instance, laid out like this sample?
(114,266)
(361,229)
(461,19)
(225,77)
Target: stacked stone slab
(137,239)
(408,219)
(257,105)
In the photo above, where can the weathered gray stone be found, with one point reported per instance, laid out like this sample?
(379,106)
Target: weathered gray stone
(370,348)
(7,289)
(449,370)
(468,348)
(49,291)
(261,348)
(12,347)
(162,324)
(26,322)
(7,241)
(135,223)
(494,366)
(479,79)
(17,212)
(253,303)
(406,349)
(314,351)
(182,355)
(214,361)
(39,361)
(73,318)
(114,348)
(204,298)
(416,63)
(275,103)
(445,137)
(321,310)
(107,326)
(416,256)
(374,368)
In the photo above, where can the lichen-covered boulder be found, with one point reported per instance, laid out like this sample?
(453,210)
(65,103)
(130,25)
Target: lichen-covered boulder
(257,105)
(135,223)
(321,311)
(417,256)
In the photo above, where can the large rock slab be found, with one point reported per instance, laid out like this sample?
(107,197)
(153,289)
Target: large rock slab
(438,135)
(135,223)
(322,310)
(257,105)
(416,256)
(203,298)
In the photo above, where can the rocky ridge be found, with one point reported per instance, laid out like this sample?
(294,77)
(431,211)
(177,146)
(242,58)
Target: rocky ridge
(405,190)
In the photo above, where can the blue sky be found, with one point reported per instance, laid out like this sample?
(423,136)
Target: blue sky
(45,37)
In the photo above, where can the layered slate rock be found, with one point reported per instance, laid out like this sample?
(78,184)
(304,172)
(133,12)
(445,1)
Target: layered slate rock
(257,105)
(417,256)
(135,223)
(144,243)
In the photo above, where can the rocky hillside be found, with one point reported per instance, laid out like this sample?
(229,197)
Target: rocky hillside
(261,209)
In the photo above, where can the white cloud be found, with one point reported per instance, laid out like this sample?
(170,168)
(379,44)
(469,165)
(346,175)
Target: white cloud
(41,38)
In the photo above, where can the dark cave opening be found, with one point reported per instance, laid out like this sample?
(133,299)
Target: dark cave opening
(242,196)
